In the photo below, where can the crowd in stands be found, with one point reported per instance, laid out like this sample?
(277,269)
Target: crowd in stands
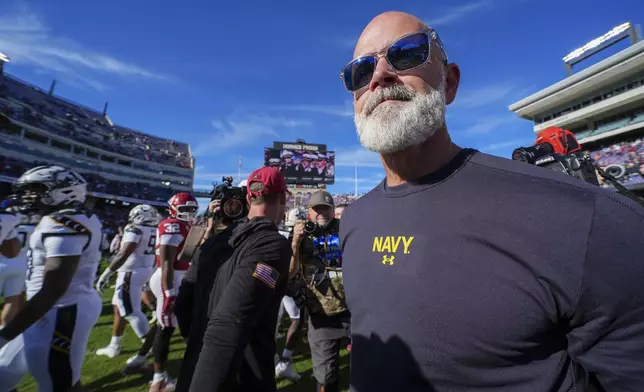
(623,160)
(26,103)
(14,168)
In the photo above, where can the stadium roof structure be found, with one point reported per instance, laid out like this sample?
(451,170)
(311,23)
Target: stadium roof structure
(606,73)
(617,67)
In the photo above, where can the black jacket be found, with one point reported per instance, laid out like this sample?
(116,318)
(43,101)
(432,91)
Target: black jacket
(191,307)
(239,342)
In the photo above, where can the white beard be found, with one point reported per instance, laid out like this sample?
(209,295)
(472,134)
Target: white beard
(393,127)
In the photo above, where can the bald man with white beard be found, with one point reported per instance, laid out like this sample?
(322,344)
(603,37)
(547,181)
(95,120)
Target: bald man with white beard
(471,272)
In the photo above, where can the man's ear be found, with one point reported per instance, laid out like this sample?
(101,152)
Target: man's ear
(452,79)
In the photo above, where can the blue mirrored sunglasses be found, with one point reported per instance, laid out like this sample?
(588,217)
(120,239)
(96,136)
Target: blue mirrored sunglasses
(409,51)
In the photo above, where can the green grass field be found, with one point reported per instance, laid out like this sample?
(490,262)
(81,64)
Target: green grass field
(104,374)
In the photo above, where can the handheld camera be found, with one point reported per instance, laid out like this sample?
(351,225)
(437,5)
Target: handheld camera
(310,227)
(233,199)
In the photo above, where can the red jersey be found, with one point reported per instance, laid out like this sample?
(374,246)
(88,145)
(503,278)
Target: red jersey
(173,232)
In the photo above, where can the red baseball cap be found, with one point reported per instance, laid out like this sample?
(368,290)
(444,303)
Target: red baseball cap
(273,181)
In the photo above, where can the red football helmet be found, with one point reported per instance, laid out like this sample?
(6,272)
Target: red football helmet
(183,206)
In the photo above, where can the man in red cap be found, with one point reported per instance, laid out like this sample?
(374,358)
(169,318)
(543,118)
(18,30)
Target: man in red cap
(239,346)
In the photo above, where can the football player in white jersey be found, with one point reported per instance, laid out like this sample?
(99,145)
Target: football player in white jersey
(165,282)
(134,262)
(13,365)
(62,305)
(12,272)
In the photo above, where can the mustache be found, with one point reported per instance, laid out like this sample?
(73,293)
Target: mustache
(396,92)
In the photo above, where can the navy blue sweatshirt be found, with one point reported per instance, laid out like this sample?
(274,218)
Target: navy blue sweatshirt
(494,275)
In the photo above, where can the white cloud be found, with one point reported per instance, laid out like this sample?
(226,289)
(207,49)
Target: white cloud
(489,124)
(332,110)
(350,156)
(26,39)
(483,95)
(459,12)
(241,130)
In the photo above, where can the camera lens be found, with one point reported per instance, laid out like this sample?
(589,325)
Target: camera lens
(309,227)
(233,208)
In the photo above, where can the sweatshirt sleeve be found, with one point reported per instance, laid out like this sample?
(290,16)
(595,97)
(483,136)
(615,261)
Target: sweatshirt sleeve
(186,295)
(607,328)
(247,295)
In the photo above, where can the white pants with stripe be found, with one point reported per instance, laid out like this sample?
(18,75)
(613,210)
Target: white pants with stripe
(55,345)
(13,364)
(127,298)
(157,289)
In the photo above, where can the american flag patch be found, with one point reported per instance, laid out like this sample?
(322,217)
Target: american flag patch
(266,274)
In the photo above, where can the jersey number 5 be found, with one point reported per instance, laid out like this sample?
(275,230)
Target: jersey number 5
(150,249)
(172,228)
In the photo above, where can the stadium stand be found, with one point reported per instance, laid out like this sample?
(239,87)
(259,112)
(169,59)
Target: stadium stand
(622,120)
(628,85)
(625,160)
(24,102)
(122,166)
(74,131)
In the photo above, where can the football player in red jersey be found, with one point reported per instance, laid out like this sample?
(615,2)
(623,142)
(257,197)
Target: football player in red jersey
(164,283)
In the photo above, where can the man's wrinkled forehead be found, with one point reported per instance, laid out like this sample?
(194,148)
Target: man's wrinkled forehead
(384,30)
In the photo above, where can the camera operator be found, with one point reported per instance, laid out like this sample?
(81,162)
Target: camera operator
(317,257)
(238,344)
(192,301)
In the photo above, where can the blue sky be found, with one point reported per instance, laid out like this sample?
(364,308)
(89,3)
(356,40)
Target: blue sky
(230,78)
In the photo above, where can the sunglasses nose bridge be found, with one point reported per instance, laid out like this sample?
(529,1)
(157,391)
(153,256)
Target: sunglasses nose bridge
(384,74)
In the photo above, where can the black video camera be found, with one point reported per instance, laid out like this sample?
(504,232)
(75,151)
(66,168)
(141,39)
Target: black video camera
(233,199)
(577,164)
(558,149)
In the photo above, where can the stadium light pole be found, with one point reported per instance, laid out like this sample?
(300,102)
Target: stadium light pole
(239,167)
(3,59)
(356,181)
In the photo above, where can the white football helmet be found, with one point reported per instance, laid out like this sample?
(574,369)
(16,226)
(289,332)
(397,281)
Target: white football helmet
(144,214)
(51,186)
(293,216)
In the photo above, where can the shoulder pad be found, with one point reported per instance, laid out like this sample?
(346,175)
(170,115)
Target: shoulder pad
(69,222)
(133,229)
(74,211)
(67,211)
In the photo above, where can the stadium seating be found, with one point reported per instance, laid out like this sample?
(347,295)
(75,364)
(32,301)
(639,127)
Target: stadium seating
(611,126)
(637,118)
(24,102)
(629,156)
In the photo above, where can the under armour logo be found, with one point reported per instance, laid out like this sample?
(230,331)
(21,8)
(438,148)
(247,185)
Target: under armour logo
(388,259)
